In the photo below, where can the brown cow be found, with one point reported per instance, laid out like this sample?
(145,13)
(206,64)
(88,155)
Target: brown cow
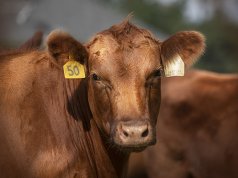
(197,128)
(32,43)
(51,126)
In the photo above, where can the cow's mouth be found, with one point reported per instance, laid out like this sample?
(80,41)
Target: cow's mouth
(134,148)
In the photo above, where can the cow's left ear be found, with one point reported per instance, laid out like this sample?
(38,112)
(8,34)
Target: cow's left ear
(181,50)
(62,47)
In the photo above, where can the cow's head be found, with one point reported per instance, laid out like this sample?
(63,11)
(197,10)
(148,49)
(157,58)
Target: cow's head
(124,67)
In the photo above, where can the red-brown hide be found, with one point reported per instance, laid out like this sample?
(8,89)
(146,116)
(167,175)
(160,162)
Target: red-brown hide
(55,127)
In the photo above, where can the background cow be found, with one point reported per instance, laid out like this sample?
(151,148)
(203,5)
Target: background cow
(57,127)
(197,128)
(32,43)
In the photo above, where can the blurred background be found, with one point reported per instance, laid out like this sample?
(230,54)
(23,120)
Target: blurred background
(216,19)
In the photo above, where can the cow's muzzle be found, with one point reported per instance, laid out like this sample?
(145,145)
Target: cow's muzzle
(135,134)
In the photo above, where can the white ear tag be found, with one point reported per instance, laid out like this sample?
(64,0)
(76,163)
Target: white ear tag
(174,67)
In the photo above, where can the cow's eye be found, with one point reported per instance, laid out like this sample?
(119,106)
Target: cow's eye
(96,77)
(158,73)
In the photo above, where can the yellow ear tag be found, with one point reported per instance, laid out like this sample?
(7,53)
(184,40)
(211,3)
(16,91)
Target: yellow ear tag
(174,67)
(73,70)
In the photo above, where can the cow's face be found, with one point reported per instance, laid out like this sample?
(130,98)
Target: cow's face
(125,89)
(125,76)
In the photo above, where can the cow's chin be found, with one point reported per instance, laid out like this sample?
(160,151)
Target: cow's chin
(133,147)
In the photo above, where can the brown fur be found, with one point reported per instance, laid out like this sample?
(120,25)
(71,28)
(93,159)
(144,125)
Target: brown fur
(61,45)
(33,43)
(197,128)
(188,44)
(54,127)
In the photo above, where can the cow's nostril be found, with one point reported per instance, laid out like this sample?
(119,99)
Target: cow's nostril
(125,133)
(145,133)
(133,133)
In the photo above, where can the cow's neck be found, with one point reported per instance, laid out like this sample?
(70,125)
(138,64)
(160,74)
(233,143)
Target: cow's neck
(105,159)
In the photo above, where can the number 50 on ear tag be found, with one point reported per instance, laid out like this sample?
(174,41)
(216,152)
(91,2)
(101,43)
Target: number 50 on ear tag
(73,70)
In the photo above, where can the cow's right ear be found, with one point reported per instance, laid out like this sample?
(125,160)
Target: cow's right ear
(62,47)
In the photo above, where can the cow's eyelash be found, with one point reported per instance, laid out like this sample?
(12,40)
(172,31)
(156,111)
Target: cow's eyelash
(156,73)
(96,77)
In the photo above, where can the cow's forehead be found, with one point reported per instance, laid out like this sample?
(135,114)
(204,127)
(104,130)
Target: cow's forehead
(117,61)
(108,48)
(102,45)
(122,48)
(112,44)
(124,35)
